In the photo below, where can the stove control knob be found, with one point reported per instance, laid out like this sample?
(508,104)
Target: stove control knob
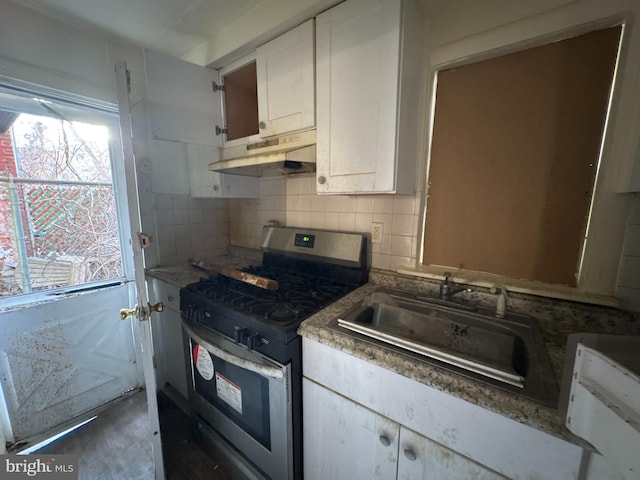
(240,334)
(254,341)
(197,314)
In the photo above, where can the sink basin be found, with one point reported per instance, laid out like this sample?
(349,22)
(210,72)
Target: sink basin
(508,353)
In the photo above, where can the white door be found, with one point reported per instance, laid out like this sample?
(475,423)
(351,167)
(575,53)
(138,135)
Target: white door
(68,267)
(63,358)
(142,310)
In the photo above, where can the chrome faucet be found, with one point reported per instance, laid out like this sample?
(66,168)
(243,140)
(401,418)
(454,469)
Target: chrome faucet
(445,288)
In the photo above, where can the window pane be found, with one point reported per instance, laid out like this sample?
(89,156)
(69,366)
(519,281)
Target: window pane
(57,207)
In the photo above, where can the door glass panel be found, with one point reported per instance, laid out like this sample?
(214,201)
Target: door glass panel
(241,102)
(57,205)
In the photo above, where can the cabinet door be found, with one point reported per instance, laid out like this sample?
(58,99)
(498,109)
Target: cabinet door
(169,169)
(286,82)
(421,458)
(181,104)
(208,184)
(167,337)
(174,353)
(357,62)
(345,441)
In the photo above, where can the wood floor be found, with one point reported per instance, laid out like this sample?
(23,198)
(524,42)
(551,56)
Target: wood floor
(116,445)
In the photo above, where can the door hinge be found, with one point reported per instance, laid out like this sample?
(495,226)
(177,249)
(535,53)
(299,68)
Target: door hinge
(217,87)
(144,239)
(220,131)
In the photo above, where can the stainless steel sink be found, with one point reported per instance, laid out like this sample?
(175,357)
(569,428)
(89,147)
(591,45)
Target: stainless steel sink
(508,353)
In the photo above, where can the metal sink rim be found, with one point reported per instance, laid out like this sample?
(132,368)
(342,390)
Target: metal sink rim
(540,383)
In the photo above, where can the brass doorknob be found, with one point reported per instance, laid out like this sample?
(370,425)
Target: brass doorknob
(158,307)
(128,312)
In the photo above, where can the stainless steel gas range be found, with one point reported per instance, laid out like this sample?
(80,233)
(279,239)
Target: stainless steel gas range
(243,352)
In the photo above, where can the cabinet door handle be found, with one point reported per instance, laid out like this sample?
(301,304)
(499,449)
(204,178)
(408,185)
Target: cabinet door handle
(410,454)
(384,440)
(170,298)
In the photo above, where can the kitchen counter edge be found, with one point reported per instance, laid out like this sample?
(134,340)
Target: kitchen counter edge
(517,408)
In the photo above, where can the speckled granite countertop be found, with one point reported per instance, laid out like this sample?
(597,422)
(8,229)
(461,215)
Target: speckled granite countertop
(557,320)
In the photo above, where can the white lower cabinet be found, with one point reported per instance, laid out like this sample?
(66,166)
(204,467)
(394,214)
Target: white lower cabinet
(166,328)
(363,421)
(344,440)
(420,458)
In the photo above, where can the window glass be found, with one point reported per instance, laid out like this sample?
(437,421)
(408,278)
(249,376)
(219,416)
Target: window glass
(57,205)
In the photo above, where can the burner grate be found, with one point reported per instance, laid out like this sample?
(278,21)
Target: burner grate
(299,294)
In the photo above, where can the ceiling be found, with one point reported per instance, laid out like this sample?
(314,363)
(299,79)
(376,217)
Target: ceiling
(174,27)
(207,32)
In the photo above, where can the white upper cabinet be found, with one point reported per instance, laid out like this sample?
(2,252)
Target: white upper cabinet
(286,81)
(181,104)
(269,92)
(208,184)
(369,64)
(183,113)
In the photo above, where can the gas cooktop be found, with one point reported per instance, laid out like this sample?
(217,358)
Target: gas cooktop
(298,296)
(312,268)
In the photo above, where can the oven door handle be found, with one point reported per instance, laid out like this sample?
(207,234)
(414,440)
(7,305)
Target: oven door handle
(265,370)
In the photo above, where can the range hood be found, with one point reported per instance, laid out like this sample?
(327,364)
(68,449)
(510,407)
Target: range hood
(282,155)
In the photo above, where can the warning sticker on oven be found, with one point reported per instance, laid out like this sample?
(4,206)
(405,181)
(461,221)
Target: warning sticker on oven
(203,362)
(229,393)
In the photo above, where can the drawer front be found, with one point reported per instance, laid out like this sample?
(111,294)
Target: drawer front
(166,293)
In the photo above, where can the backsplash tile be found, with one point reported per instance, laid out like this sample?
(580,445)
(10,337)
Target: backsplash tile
(189,228)
(248,215)
(628,290)
(293,202)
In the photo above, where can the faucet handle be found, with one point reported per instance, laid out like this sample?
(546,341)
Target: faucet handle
(501,303)
(446,276)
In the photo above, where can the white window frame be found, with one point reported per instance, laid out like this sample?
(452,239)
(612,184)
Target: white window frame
(602,252)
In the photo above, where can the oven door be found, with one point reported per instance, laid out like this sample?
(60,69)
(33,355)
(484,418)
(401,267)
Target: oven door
(245,397)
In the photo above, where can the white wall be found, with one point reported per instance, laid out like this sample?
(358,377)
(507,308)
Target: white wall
(451,20)
(42,51)
(265,21)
